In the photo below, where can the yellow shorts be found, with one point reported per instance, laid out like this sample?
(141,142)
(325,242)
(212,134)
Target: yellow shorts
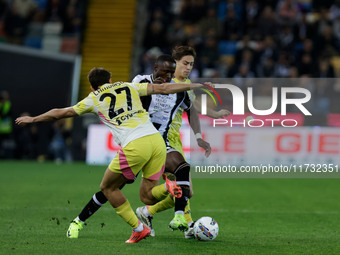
(176,143)
(147,153)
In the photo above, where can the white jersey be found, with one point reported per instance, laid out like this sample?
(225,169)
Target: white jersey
(119,107)
(163,108)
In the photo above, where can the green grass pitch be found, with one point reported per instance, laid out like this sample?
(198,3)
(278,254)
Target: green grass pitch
(255,216)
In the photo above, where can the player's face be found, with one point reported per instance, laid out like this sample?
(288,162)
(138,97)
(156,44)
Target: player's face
(165,71)
(184,66)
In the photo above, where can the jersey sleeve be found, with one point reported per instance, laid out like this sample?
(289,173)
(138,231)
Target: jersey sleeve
(84,106)
(142,88)
(137,79)
(186,104)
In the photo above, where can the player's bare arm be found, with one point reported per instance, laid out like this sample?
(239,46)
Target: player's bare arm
(51,115)
(196,127)
(211,112)
(170,88)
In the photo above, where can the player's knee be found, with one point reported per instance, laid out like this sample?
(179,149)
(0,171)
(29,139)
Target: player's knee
(104,188)
(147,200)
(173,160)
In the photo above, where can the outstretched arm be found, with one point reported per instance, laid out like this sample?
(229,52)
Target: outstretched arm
(194,122)
(171,88)
(51,115)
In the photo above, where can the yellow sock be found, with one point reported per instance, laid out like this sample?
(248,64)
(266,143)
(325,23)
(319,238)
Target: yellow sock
(187,212)
(125,211)
(159,192)
(165,204)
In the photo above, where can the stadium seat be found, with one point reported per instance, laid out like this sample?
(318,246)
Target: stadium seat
(41,4)
(33,42)
(298,47)
(51,43)
(227,47)
(52,28)
(70,45)
(35,29)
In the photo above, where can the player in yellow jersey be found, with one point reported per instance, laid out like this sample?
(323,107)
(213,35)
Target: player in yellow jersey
(162,109)
(118,106)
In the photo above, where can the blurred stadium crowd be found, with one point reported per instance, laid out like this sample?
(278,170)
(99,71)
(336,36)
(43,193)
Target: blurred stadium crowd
(287,38)
(51,25)
(233,39)
(238,39)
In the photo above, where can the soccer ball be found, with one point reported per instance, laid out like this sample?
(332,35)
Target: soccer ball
(206,229)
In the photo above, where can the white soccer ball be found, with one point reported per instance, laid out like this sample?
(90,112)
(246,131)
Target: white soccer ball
(206,229)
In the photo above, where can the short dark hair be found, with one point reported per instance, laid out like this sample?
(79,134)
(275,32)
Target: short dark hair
(164,58)
(98,76)
(179,52)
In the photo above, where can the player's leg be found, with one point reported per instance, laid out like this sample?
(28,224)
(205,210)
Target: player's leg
(97,200)
(150,192)
(148,212)
(189,234)
(176,164)
(125,166)
(110,187)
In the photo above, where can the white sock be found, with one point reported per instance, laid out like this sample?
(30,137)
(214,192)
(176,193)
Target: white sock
(77,219)
(146,212)
(139,228)
(179,212)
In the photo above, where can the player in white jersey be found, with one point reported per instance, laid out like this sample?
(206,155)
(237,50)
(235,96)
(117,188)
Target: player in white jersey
(162,110)
(184,57)
(142,148)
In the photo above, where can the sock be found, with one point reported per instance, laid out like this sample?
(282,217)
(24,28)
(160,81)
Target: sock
(183,180)
(125,211)
(163,205)
(179,212)
(92,206)
(146,212)
(187,213)
(77,219)
(139,228)
(159,192)
(180,203)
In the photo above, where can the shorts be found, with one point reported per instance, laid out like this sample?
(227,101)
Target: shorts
(175,144)
(147,153)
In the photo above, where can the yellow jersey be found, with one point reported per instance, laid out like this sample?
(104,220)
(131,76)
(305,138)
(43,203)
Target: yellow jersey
(119,107)
(173,135)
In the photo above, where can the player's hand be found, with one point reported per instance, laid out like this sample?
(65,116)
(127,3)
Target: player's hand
(159,80)
(222,113)
(209,84)
(22,121)
(205,145)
